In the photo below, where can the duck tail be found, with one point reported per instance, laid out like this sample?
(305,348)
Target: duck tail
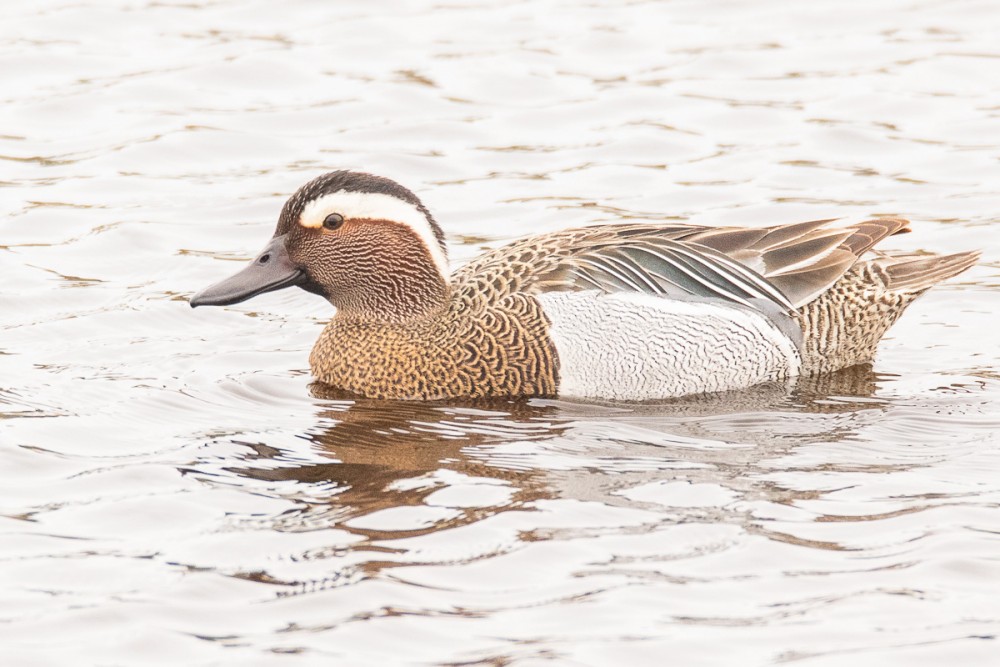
(915,274)
(844,325)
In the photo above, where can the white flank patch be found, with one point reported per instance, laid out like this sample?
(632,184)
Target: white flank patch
(375,206)
(629,346)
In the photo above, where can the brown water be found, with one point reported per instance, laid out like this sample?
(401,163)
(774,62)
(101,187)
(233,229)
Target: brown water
(174,492)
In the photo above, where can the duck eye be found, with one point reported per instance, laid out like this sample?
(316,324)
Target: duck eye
(333,221)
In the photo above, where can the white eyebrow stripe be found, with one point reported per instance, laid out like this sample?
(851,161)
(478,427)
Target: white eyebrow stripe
(376,206)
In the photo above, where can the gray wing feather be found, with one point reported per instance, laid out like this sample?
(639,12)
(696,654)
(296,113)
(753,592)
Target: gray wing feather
(784,266)
(669,268)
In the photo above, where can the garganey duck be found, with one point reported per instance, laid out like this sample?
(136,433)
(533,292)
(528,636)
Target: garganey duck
(614,311)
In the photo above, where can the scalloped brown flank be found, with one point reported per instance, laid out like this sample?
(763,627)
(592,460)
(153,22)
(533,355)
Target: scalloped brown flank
(478,350)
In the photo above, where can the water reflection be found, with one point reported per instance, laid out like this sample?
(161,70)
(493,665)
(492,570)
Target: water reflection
(376,456)
(382,450)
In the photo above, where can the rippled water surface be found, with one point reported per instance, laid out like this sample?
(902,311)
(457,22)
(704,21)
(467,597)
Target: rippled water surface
(173,491)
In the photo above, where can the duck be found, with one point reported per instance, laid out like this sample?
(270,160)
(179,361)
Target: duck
(617,312)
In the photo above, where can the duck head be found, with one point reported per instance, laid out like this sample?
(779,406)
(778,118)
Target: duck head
(363,242)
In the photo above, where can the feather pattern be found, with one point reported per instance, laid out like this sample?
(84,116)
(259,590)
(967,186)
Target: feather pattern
(785,266)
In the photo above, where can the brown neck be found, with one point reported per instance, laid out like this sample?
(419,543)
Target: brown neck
(392,278)
(392,297)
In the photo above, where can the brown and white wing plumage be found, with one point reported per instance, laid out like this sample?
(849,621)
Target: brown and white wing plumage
(786,265)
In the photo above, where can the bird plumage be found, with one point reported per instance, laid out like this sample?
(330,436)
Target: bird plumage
(621,311)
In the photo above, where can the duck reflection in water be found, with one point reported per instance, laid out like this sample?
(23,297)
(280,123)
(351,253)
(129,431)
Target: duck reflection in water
(388,454)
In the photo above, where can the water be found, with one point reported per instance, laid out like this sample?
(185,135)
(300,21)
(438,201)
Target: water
(173,491)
